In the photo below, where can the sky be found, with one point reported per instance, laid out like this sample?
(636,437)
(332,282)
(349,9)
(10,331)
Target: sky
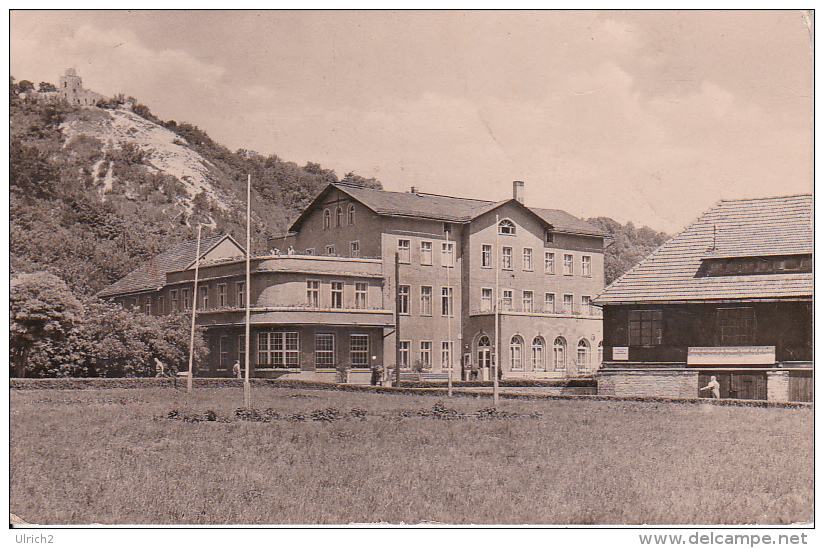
(648,116)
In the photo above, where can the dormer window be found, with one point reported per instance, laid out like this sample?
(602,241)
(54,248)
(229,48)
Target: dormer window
(745,266)
(506,227)
(550,236)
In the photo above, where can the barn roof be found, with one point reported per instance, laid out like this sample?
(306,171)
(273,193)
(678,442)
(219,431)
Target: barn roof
(442,208)
(760,227)
(152,274)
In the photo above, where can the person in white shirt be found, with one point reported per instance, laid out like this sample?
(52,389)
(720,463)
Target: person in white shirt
(714,386)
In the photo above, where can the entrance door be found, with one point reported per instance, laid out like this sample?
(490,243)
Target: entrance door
(484,352)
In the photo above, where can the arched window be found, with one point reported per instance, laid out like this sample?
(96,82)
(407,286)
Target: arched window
(583,355)
(600,353)
(350,215)
(559,353)
(538,363)
(327,219)
(338,216)
(506,227)
(516,352)
(484,352)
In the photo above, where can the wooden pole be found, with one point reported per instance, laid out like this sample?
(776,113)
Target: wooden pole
(397,321)
(496,345)
(194,308)
(450,309)
(247,396)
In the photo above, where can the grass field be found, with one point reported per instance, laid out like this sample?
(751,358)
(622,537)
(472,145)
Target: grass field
(111,457)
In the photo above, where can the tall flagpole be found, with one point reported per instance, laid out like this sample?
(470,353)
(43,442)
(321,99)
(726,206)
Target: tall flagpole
(496,352)
(194,308)
(248,293)
(450,309)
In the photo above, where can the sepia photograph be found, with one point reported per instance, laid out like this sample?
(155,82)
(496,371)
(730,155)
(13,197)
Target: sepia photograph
(412,269)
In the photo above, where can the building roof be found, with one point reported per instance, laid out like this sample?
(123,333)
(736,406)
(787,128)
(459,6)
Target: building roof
(443,208)
(760,227)
(152,275)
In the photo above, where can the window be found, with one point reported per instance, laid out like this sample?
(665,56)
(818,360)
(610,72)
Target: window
(586,305)
(527,301)
(354,249)
(204,296)
(359,350)
(338,216)
(313,293)
(161,305)
(567,304)
(646,327)
(538,363)
(310,250)
(506,227)
(324,350)
(241,348)
(506,258)
(559,354)
(224,352)
(426,253)
(426,301)
(484,352)
(221,295)
(549,262)
(327,219)
(550,236)
(506,302)
(403,251)
(583,355)
(486,256)
(568,268)
(446,302)
(337,294)
(486,299)
(403,299)
(426,354)
(350,215)
(404,353)
(448,254)
(187,303)
(173,299)
(148,304)
(446,354)
(360,295)
(549,303)
(586,266)
(736,326)
(330,250)
(240,295)
(278,349)
(516,351)
(527,259)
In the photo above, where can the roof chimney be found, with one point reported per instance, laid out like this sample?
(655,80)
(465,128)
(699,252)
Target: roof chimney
(414,190)
(518,191)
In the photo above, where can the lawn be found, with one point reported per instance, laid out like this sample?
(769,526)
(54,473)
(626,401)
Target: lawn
(113,457)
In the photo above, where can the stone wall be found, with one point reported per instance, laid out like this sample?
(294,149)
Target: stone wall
(778,386)
(661,383)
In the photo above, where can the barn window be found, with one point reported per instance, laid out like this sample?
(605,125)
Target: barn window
(646,327)
(736,326)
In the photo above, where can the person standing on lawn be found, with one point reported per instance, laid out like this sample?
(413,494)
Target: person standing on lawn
(714,386)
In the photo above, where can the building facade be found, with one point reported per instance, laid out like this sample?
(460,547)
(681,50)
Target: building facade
(325,297)
(730,297)
(458,259)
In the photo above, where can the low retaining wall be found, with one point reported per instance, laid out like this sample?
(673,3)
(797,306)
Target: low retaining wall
(656,383)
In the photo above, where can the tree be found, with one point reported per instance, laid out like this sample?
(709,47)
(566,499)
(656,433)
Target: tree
(24,86)
(41,308)
(44,87)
